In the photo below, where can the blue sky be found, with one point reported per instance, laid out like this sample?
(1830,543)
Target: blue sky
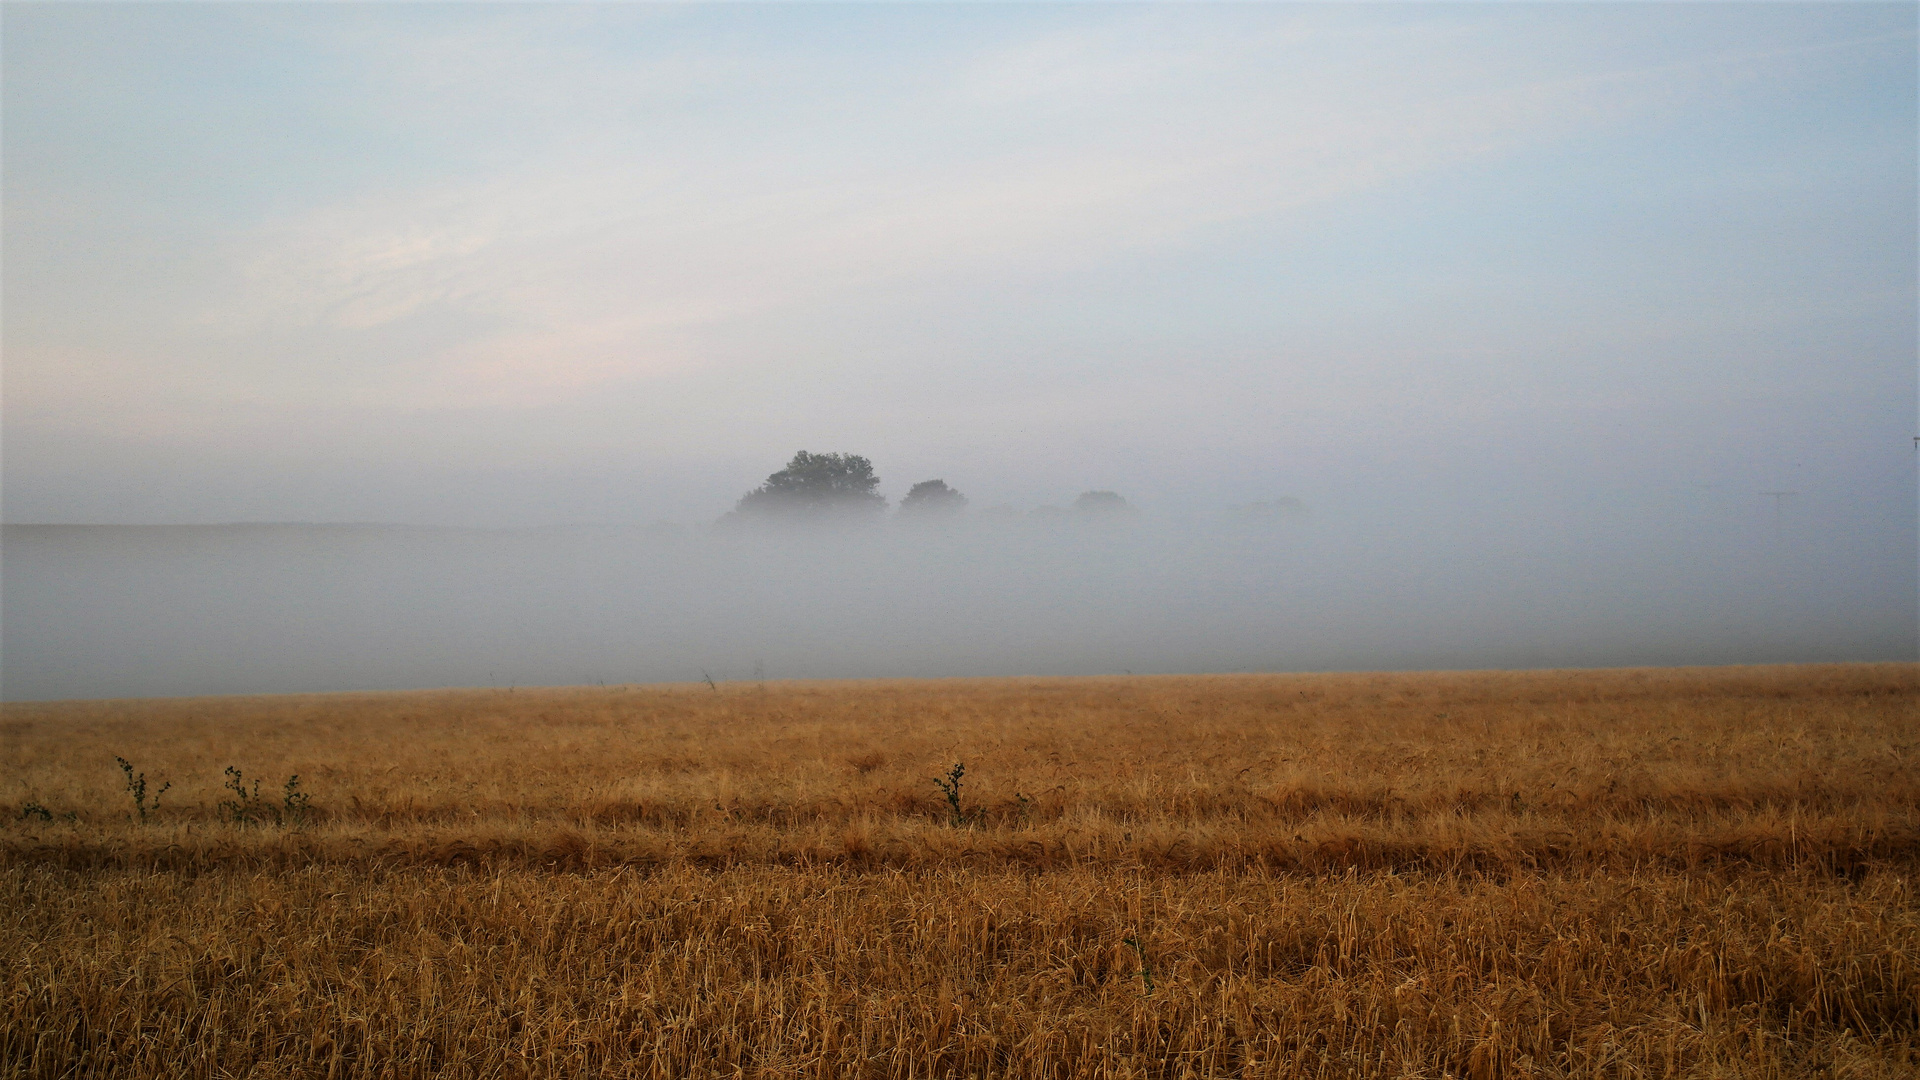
(510,265)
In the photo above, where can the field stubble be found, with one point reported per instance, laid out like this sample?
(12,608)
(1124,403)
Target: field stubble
(1631,873)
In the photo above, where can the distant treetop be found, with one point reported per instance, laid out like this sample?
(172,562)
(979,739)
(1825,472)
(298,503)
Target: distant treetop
(929,497)
(1101,502)
(816,485)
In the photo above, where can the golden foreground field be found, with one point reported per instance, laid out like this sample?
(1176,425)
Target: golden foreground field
(1625,873)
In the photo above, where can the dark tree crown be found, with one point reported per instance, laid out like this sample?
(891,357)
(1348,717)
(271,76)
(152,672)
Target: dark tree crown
(817,483)
(931,496)
(1101,502)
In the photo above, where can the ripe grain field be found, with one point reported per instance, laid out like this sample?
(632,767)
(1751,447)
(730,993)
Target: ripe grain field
(1640,873)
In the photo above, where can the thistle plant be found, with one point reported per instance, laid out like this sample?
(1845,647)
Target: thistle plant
(951,788)
(137,790)
(296,805)
(245,805)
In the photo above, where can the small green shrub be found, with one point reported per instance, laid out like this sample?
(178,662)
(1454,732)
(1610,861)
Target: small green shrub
(296,805)
(33,810)
(951,788)
(248,807)
(137,790)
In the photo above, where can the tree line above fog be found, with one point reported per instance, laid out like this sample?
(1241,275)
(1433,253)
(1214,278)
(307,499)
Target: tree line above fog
(818,487)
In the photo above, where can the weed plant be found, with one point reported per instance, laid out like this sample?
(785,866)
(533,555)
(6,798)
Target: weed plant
(950,787)
(137,791)
(296,806)
(1146,969)
(247,807)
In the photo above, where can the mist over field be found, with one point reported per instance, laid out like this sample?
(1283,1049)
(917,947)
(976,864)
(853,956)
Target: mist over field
(105,611)
(1584,334)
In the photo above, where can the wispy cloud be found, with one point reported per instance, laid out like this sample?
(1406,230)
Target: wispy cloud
(598,261)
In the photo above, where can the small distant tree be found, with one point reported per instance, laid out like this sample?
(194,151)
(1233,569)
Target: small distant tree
(816,486)
(1103,503)
(930,498)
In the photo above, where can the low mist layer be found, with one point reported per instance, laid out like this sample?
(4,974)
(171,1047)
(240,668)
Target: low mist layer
(118,611)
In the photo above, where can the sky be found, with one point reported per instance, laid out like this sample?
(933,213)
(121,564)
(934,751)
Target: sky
(518,265)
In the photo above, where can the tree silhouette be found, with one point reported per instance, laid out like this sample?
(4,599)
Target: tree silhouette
(932,498)
(816,486)
(1101,503)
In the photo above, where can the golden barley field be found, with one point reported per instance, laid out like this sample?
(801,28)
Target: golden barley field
(1636,873)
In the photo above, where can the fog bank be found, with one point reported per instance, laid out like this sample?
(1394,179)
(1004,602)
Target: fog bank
(113,611)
